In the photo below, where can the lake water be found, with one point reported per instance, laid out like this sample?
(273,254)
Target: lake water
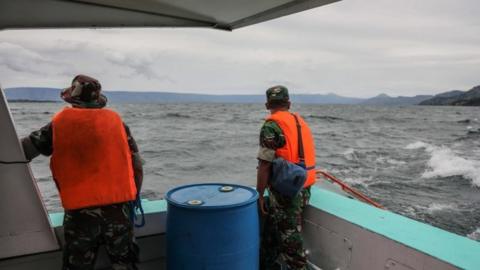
(421,162)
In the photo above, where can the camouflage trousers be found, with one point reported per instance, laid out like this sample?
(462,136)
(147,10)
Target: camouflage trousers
(86,229)
(282,241)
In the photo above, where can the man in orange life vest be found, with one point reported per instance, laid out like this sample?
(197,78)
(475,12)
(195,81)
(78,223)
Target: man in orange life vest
(98,171)
(282,242)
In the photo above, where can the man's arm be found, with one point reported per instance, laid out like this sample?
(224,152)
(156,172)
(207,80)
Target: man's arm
(137,171)
(263,174)
(271,138)
(38,142)
(136,160)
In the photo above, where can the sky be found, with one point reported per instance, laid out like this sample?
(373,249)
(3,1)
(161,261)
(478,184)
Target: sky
(355,48)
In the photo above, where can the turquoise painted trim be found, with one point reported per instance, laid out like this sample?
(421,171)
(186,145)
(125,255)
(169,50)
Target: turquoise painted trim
(451,248)
(154,206)
(56,219)
(459,251)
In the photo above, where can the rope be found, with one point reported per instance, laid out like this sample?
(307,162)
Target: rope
(135,206)
(350,190)
(14,162)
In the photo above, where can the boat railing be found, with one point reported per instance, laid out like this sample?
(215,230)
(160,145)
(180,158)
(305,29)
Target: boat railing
(346,188)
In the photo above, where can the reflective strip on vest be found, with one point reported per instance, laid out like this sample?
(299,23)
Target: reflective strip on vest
(91,161)
(286,121)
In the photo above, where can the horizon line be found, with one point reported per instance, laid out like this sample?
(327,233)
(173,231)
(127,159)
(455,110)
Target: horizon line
(210,94)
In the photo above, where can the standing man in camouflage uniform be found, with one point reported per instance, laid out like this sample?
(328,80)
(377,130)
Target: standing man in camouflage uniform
(86,142)
(282,242)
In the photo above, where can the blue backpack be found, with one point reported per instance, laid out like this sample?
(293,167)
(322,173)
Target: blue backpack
(287,178)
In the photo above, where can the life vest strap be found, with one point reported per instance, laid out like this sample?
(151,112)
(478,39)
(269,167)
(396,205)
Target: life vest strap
(301,154)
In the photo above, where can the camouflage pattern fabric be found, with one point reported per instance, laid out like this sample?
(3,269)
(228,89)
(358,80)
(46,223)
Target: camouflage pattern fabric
(282,241)
(271,135)
(85,229)
(271,138)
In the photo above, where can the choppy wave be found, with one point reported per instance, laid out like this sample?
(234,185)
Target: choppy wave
(326,117)
(351,154)
(392,119)
(192,143)
(438,207)
(373,158)
(177,115)
(389,161)
(360,181)
(444,162)
(417,145)
(471,130)
(475,235)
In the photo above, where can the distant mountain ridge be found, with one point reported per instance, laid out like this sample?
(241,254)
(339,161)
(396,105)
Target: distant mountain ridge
(53,94)
(443,98)
(33,94)
(384,99)
(456,98)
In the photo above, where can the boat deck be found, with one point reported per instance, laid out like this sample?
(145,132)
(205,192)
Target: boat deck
(342,232)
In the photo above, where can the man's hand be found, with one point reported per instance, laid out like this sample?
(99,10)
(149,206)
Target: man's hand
(261,205)
(29,149)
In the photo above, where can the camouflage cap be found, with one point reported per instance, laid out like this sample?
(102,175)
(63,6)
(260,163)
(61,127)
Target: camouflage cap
(277,94)
(85,91)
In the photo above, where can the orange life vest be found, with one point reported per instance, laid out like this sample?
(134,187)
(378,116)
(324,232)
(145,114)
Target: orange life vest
(91,160)
(289,151)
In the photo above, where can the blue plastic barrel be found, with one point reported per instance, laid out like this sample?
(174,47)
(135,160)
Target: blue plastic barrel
(212,227)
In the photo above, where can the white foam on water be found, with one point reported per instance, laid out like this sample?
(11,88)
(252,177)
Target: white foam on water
(437,207)
(349,154)
(350,177)
(363,181)
(417,145)
(444,162)
(355,181)
(475,235)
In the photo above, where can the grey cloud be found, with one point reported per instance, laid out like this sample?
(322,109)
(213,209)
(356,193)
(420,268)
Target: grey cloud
(351,48)
(291,85)
(143,66)
(20,59)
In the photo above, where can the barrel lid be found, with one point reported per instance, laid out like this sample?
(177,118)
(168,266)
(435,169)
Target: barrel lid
(211,196)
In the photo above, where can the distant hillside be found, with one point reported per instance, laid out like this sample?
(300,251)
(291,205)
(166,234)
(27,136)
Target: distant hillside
(456,98)
(324,99)
(33,94)
(470,98)
(387,100)
(443,98)
(52,94)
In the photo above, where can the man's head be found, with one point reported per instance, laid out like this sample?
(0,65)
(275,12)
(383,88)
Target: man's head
(277,98)
(85,91)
